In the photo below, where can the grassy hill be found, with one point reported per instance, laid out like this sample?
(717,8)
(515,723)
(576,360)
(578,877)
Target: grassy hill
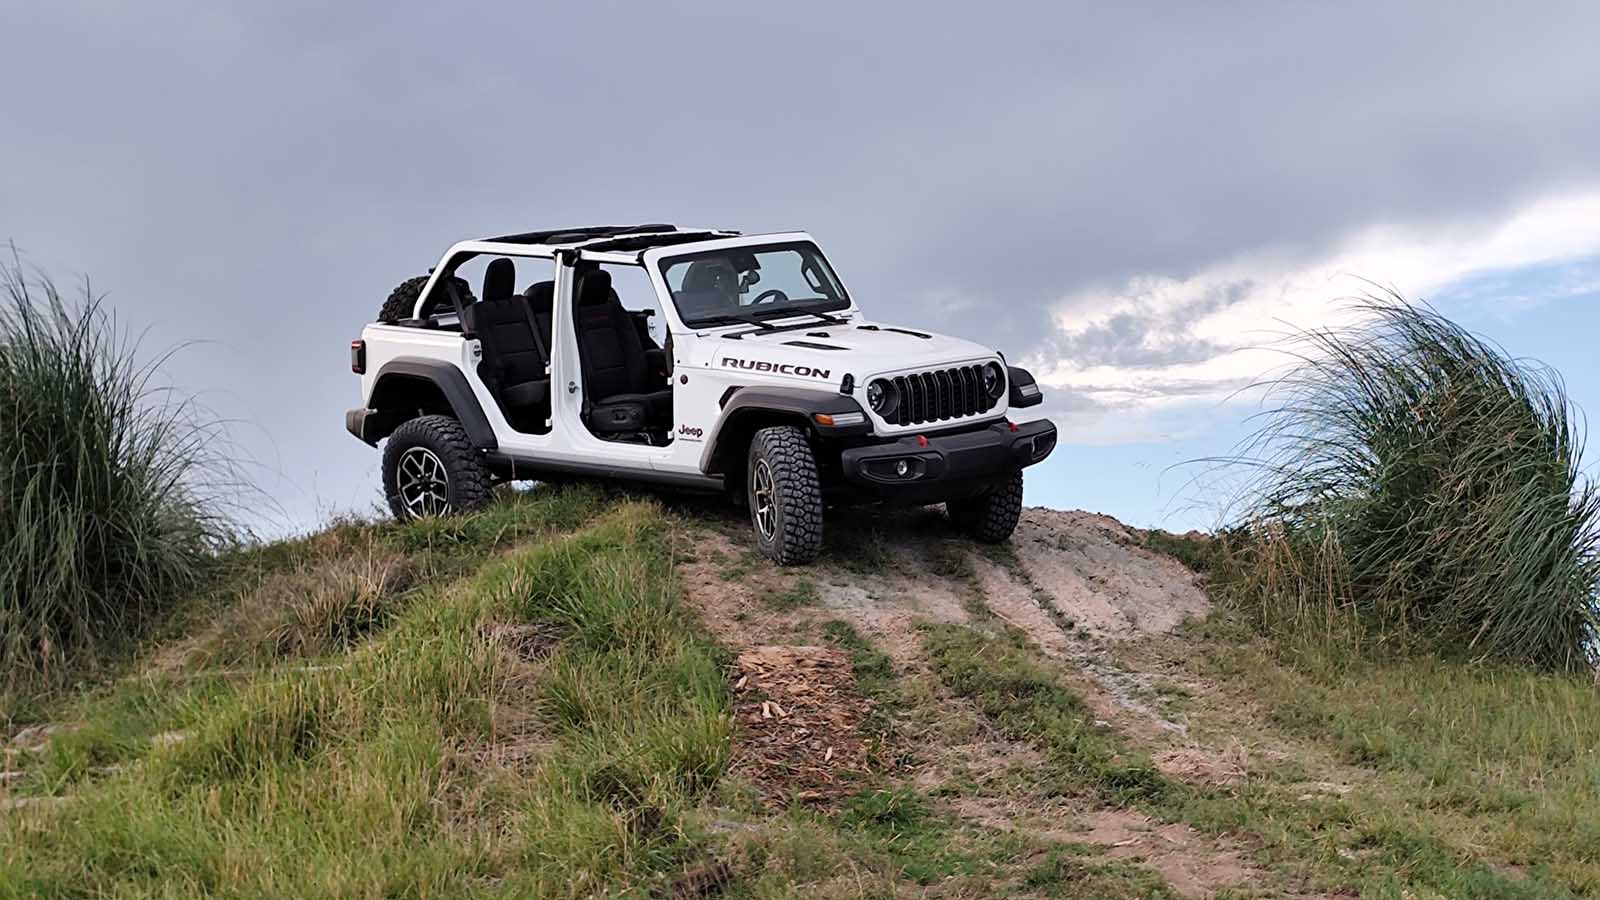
(578,693)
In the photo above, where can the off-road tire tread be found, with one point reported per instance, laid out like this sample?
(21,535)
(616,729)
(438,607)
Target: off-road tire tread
(989,517)
(402,301)
(788,453)
(470,484)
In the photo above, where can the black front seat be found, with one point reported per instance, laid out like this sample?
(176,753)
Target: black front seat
(514,355)
(710,288)
(617,382)
(541,297)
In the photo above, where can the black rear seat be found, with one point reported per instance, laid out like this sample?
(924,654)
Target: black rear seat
(515,361)
(617,380)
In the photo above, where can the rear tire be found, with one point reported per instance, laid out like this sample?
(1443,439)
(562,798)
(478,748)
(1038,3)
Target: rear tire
(431,469)
(402,301)
(989,517)
(784,495)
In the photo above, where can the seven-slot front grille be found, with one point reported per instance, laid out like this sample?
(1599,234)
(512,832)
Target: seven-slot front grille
(940,395)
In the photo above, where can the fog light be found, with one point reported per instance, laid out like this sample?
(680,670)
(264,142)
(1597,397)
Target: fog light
(902,468)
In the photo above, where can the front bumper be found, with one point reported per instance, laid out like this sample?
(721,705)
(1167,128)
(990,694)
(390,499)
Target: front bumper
(950,465)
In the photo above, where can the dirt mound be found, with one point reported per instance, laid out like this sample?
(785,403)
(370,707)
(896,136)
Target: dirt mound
(1093,570)
(799,723)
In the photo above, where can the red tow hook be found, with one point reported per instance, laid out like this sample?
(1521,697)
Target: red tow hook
(1013,426)
(922,440)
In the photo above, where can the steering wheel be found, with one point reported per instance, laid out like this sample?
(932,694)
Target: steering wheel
(772,296)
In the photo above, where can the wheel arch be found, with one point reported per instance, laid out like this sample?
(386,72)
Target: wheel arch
(746,410)
(407,387)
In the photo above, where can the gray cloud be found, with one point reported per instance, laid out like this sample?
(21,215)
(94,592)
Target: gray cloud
(1149,337)
(259,175)
(1134,339)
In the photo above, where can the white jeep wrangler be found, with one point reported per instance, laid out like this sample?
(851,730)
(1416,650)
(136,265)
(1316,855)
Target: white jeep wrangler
(694,358)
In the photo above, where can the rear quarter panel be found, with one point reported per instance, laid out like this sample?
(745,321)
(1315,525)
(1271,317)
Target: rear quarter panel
(388,342)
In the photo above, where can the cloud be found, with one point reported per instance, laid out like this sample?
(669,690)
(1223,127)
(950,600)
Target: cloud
(1120,191)
(1157,341)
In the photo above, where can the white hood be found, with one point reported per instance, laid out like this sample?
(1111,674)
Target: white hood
(861,349)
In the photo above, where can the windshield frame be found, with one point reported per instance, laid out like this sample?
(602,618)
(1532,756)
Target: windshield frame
(840,306)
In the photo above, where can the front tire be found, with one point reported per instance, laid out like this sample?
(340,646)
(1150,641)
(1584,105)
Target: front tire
(991,516)
(785,495)
(431,469)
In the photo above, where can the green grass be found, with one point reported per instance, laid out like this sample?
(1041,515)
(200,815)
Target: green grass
(1419,488)
(1486,779)
(376,776)
(1071,872)
(1497,759)
(114,488)
(876,679)
(1016,690)
(1201,554)
(740,569)
(800,593)
(533,711)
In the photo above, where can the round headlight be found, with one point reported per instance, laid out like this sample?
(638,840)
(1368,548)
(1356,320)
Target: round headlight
(994,380)
(882,397)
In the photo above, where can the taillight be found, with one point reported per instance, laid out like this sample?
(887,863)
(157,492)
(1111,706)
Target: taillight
(358,357)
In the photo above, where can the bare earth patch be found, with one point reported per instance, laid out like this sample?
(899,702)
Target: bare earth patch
(1192,864)
(1082,590)
(889,608)
(798,718)
(1096,575)
(734,609)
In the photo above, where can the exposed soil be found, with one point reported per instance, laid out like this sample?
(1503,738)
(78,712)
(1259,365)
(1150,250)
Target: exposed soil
(1075,583)
(799,723)
(1101,579)
(888,608)
(1192,864)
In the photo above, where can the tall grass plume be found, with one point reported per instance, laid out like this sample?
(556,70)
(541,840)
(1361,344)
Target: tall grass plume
(106,513)
(1416,485)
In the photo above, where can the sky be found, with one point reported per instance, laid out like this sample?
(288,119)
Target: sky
(1134,199)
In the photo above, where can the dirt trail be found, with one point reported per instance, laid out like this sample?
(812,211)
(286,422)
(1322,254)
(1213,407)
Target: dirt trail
(1077,584)
(1100,579)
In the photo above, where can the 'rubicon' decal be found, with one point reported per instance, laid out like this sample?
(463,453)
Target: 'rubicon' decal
(761,365)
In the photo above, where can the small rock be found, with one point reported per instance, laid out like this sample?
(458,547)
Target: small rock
(168,738)
(34,738)
(25,802)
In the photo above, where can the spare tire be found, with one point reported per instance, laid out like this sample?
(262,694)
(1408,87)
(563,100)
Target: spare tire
(402,300)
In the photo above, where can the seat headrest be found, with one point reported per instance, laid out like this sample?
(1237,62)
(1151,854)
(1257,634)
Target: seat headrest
(710,275)
(541,296)
(595,288)
(499,279)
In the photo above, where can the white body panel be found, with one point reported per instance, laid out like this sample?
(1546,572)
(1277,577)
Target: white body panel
(706,363)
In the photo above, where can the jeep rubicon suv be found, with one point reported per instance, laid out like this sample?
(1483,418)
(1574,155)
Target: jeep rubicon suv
(695,358)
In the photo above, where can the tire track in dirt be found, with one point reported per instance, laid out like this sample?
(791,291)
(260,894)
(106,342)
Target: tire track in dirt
(1077,585)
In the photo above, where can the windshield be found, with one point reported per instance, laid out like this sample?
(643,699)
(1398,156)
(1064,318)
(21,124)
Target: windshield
(765,281)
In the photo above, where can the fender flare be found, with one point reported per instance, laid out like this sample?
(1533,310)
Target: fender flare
(453,385)
(741,405)
(1023,390)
